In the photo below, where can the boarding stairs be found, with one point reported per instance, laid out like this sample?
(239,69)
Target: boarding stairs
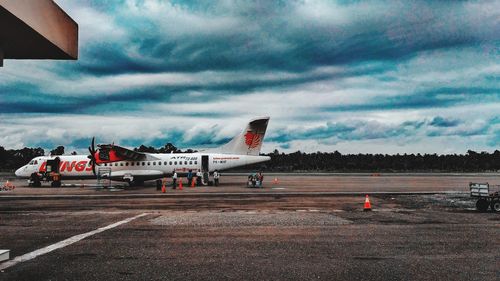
(103,177)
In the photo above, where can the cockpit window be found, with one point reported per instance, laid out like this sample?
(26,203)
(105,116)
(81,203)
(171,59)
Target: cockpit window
(31,162)
(36,162)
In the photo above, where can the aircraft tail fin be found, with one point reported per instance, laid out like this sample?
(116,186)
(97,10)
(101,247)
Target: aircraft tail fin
(248,142)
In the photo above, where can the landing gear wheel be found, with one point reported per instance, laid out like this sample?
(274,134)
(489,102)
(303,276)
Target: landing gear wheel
(136,183)
(55,184)
(482,205)
(495,205)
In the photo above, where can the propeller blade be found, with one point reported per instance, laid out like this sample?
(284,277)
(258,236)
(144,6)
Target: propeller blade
(92,155)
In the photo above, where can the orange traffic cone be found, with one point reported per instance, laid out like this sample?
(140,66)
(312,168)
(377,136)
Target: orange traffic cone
(193,182)
(163,188)
(275,181)
(9,185)
(368,205)
(180,183)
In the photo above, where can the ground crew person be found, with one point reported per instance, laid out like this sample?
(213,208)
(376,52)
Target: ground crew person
(254,180)
(198,177)
(174,180)
(190,177)
(216,178)
(260,178)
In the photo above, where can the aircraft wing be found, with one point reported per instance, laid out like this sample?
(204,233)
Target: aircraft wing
(126,154)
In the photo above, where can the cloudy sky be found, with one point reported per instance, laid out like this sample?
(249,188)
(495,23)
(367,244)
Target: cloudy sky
(353,76)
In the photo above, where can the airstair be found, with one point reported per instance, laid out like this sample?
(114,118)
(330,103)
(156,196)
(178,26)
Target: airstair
(103,177)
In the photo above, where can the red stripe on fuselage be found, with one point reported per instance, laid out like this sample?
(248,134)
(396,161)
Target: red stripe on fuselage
(68,166)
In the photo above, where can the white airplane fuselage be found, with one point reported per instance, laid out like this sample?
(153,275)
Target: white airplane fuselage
(123,164)
(79,167)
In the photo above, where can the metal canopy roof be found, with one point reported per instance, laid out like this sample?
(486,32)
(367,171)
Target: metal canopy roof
(36,29)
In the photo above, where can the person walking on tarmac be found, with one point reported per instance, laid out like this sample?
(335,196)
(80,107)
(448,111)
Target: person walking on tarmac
(174,179)
(216,178)
(190,177)
(199,175)
(254,180)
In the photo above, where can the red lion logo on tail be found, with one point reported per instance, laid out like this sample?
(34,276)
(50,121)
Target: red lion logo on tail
(252,139)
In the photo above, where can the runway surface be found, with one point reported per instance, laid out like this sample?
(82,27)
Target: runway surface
(292,232)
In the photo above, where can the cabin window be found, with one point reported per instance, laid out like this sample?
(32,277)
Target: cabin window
(116,164)
(138,163)
(126,163)
(121,164)
(165,163)
(143,163)
(175,163)
(196,162)
(159,163)
(170,163)
(132,163)
(190,162)
(154,163)
(185,162)
(149,163)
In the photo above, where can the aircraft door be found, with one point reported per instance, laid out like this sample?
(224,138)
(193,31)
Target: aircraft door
(204,168)
(204,163)
(53,165)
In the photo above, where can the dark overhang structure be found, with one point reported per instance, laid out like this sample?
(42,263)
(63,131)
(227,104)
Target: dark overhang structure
(36,29)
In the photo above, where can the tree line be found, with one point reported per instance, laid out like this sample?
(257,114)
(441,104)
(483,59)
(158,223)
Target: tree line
(299,161)
(336,162)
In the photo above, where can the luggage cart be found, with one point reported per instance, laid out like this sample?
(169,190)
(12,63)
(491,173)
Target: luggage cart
(487,196)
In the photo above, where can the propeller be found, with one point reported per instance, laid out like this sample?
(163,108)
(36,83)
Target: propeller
(92,155)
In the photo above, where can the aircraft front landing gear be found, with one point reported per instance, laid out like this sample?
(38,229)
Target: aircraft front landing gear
(136,183)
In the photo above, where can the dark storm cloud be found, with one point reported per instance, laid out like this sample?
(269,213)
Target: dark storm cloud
(269,35)
(354,130)
(205,138)
(439,121)
(302,62)
(440,97)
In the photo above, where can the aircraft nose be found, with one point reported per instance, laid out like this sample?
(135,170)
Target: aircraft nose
(19,172)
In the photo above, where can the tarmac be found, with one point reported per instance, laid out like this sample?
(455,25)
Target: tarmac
(422,227)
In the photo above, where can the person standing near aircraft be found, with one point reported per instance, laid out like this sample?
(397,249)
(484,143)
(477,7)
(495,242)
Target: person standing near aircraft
(190,177)
(174,180)
(260,179)
(198,177)
(216,178)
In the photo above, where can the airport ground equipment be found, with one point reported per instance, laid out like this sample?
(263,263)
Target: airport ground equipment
(4,255)
(487,196)
(56,179)
(103,177)
(7,186)
(34,180)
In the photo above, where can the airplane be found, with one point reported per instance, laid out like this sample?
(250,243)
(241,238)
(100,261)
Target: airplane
(118,163)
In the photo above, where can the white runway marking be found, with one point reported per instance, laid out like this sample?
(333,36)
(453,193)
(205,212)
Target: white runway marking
(64,243)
